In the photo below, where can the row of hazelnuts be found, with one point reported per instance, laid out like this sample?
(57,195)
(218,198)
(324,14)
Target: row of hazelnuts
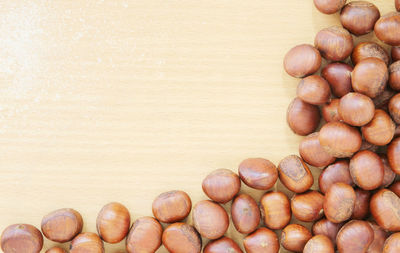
(343,226)
(358,142)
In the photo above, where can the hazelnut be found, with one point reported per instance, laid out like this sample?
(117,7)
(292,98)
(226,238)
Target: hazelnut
(303,118)
(21,238)
(87,243)
(295,174)
(144,236)
(181,238)
(210,219)
(339,140)
(339,202)
(221,185)
(338,75)
(366,50)
(258,173)
(262,240)
(275,210)
(172,206)
(62,225)
(334,43)
(113,222)
(313,153)
(314,90)
(370,76)
(245,214)
(294,237)
(302,60)
(359,17)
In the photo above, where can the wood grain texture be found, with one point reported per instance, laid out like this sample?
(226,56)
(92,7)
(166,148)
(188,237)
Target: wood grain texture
(121,100)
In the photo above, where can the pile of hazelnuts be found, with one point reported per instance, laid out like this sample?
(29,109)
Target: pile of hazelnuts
(357,140)
(357,146)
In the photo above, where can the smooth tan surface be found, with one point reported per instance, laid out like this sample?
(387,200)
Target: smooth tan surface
(121,100)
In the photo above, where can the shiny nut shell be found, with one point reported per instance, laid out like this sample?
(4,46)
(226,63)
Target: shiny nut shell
(295,174)
(210,219)
(385,208)
(62,225)
(181,238)
(275,210)
(262,240)
(172,206)
(87,243)
(221,185)
(222,245)
(339,202)
(21,238)
(258,173)
(113,222)
(144,236)
(245,214)
(339,140)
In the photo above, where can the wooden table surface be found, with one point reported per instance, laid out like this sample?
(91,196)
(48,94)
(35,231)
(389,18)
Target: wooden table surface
(121,100)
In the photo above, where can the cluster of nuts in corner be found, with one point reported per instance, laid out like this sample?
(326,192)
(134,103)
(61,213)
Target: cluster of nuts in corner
(357,206)
(358,142)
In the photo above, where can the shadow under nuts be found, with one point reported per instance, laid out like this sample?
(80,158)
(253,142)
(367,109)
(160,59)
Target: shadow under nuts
(62,225)
(181,238)
(294,237)
(307,206)
(337,172)
(319,244)
(339,202)
(144,236)
(88,243)
(245,214)
(366,170)
(172,206)
(313,153)
(303,118)
(355,237)
(222,245)
(262,240)
(113,222)
(21,238)
(275,210)
(258,173)
(295,174)
(210,219)
(339,140)
(221,185)
(384,207)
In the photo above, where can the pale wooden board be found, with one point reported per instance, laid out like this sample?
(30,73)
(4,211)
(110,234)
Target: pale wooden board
(121,100)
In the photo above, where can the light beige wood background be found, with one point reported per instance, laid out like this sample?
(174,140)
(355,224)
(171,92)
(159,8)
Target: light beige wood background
(121,100)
